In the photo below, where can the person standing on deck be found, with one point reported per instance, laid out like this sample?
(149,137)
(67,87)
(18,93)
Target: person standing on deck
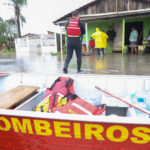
(133,40)
(75,30)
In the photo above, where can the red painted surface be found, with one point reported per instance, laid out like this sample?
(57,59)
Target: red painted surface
(3,74)
(22,133)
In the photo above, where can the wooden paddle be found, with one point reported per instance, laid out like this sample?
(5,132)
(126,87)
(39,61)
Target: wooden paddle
(146,112)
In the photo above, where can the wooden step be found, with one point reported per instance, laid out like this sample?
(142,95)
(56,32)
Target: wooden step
(14,96)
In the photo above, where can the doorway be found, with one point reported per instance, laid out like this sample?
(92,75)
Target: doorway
(139,27)
(58,41)
(117,43)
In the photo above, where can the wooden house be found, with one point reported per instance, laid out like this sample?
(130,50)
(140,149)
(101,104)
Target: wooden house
(122,15)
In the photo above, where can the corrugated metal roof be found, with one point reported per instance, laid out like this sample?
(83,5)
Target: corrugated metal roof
(70,14)
(113,15)
(62,20)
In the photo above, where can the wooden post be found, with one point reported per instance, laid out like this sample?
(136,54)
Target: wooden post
(116,5)
(61,50)
(86,28)
(28,44)
(41,40)
(55,40)
(123,36)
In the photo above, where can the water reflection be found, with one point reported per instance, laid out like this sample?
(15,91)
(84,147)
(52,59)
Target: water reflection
(113,64)
(34,69)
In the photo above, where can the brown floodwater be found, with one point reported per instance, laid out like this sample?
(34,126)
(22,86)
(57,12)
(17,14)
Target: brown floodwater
(110,64)
(34,69)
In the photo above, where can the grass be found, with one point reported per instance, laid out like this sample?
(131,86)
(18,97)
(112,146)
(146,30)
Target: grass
(55,53)
(58,53)
(39,52)
(8,50)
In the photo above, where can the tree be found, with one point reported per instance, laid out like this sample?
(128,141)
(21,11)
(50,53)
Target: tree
(1,20)
(7,32)
(2,31)
(17,5)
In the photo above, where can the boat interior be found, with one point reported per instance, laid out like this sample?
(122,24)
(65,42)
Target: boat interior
(123,111)
(85,88)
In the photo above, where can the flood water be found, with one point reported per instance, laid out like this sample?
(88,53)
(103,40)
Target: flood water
(38,66)
(112,64)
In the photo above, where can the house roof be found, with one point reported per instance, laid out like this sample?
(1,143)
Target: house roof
(29,35)
(104,16)
(112,15)
(70,14)
(116,15)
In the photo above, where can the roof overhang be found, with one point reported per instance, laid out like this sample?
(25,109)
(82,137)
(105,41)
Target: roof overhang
(111,16)
(116,15)
(60,20)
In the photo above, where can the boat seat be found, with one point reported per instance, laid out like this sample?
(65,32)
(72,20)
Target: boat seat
(11,98)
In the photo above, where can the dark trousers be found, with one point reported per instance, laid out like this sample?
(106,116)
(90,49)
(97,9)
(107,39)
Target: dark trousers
(73,43)
(100,49)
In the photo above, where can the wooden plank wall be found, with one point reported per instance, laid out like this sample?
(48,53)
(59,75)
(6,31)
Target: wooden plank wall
(105,6)
(122,5)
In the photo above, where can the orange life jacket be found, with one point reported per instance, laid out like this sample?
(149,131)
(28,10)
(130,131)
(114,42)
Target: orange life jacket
(60,89)
(79,106)
(73,28)
(61,97)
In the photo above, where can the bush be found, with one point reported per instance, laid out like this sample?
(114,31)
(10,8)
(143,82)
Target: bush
(58,53)
(38,46)
(55,54)
(39,53)
(64,52)
(8,50)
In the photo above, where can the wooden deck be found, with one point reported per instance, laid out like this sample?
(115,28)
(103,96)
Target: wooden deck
(14,96)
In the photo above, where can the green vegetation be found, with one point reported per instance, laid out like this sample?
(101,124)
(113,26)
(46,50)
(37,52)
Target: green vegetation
(10,29)
(39,53)
(55,54)
(58,53)
(64,52)
(38,46)
(17,5)
(7,33)
(6,51)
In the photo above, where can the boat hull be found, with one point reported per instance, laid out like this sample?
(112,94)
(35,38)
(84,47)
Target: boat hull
(25,130)
(3,74)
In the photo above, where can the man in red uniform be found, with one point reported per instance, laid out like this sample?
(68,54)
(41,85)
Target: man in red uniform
(75,29)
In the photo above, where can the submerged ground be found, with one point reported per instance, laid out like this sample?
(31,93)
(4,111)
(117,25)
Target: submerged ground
(112,64)
(39,66)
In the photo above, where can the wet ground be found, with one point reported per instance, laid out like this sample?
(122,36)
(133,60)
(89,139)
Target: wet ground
(34,68)
(111,64)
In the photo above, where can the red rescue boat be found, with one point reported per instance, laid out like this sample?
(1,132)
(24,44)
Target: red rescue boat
(3,74)
(118,128)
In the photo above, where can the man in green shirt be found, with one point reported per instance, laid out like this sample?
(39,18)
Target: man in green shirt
(133,40)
